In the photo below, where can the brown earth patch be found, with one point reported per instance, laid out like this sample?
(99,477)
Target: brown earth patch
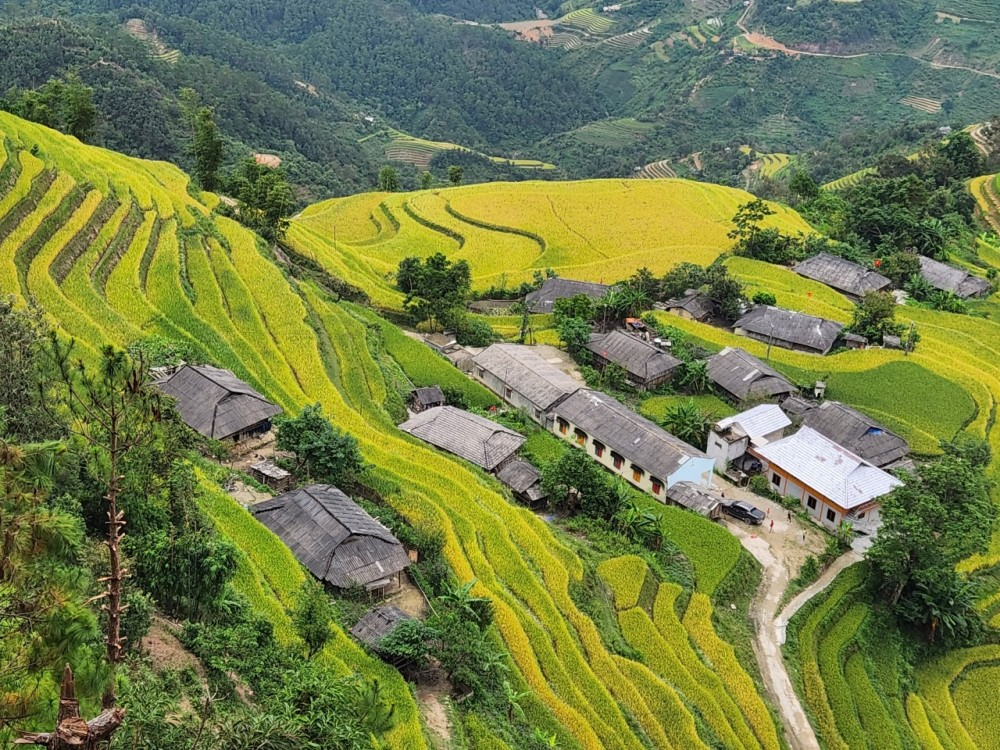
(268,160)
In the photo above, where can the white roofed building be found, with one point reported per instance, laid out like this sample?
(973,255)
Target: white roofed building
(730,438)
(833,484)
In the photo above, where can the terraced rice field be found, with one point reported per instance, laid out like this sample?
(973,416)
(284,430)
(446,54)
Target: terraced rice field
(115,249)
(419,152)
(612,132)
(564,40)
(930,106)
(629,39)
(772,165)
(588,20)
(849,180)
(986,191)
(592,230)
(658,170)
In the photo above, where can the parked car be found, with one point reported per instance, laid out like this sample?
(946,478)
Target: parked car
(744,512)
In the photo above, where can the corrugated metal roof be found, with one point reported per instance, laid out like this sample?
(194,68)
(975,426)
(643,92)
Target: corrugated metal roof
(742,375)
(635,438)
(769,323)
(828,468)
(378,623)
(757,422)
(469,436)
(542,299)
(692,497)
(641,360)
(333,536)
(215,402)
(857,432)
(521,368)
(951,279)
(841,274)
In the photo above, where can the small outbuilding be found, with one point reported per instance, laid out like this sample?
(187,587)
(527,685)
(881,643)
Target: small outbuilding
(426,398)
(694,305)
(543,299)
(334,537)
(217,404)
(947,278)
(524,480)
(696,498)
(522,378)
(269,473)
(853,279)
(789,329)
(857,432)
(730,438)
(646,365)
(476,439)
(742,376)
(377,624)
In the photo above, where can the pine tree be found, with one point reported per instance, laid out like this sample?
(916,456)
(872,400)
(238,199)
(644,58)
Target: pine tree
(206,147)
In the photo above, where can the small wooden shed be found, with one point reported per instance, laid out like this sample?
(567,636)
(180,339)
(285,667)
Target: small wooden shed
(426,398)
(377,624)
(269,473)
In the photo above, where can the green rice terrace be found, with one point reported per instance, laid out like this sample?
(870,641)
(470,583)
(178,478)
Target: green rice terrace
(115,249)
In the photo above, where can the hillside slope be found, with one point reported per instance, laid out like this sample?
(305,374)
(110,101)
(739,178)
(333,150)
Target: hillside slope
(584,230)
(115,249)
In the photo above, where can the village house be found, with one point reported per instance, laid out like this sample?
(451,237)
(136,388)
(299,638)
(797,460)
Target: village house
(857,432)
(789,329)
(268,473)
(476,439)
(522,378)
(853,279)
(426,398)
(731,438)
(641,452)
(377,624)
(218,404)
(694,305)
(646,365)
(743,377)
(524,482)
(832,484)
(951,279)
(543,299)
(334,537)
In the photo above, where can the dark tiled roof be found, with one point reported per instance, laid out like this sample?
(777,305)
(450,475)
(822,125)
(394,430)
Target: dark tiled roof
(635,438)
(841,274)
(215,402)
(474,438)
(950,279)
(430,396)
(519,475)
(786,326)
(333,536)
(742,375)
(857,432)
(542,299)
(521,368)
(697,304)
(378,623)
(641,360)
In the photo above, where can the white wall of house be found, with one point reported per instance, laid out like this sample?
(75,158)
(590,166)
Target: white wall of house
(695,469)
(723,450)
(508,394)
(819,508)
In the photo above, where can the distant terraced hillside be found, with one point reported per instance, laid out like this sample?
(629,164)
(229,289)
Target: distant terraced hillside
(594,230)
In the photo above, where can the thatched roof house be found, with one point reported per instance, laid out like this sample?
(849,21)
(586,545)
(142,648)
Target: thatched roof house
(522,378)
(742,376)
(476,439)
(646,366)
(951,279)
(377,624)
(218,404)
(334,537)
(544,298)
(850,278)
(857,432)
(789,329)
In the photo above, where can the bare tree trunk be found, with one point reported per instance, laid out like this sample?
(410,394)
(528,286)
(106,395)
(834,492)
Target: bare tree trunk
(116,521)
(73,732)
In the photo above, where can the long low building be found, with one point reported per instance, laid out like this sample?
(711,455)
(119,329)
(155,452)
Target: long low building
(789,329)
(742,376)
(629,445)
(947,278)
(522,378)
(646,366)
(543,299)
(852,279)
(833,484)
(476,439)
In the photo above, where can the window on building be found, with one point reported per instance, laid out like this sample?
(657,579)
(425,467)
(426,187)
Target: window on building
(657,485)
(563,425)
(775,478)
(830,515)
(581,437)
(617,460)
(637,473)
(480,372)
(860,516)
(811,502)
(598,449)
(507,393)
(538,413)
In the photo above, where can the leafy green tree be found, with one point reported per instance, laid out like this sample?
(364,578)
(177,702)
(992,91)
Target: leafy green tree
(575,470)
(579,306)
(312,616)
(680,278)
(940,516)
(687,422)
(970,448)
(614,377)
(727,292)
(764,298)
(899,267)
(694,377)
(747,223)
(575,335)
(264,199)
(206,148)
(22,337)
(326,453)
(455,174)
(964,156)
(435,288)
(875,316)
(640,526)
(63,104)
(644,281)
(426,181)
(803,186)
(388,179)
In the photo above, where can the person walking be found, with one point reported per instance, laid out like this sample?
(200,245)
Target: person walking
(789,516)
(772,525)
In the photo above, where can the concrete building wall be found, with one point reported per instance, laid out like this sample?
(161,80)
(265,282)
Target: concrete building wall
(722,451)
(508,394)
(819,508)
